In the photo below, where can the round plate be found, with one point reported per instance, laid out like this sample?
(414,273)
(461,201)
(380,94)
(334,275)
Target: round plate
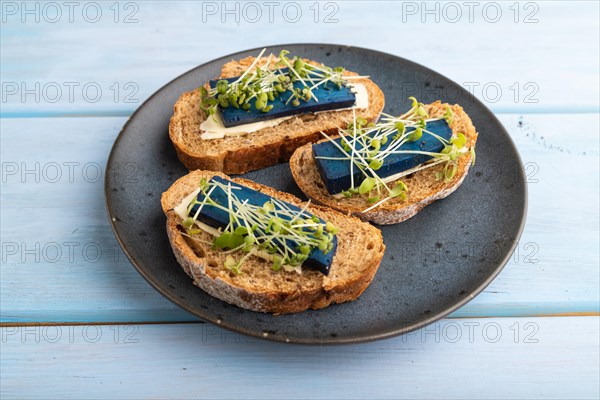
(434,263)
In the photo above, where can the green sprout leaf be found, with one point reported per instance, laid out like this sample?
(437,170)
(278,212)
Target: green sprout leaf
(229,240)
(283,54)
(398,189)
(448,115)
(232,265)
(373,200)
(415,135)
(249,242)
(329,227)
(241,231)
(375,164)
(459,141)
(305,249)
(450,171)
(367,185)
(268,206)
(203,92)
(415,103)
(277,262)
(400,127)
(222,86)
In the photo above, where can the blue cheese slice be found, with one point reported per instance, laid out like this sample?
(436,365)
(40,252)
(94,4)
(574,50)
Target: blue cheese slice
(214,128)
(212,219)
(336,173)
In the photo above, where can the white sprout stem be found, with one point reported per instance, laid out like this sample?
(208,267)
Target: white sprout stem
(301,212)
(325,71)
(240,247)
(320,69)
(246,256)
(201,205)
(380,202)
(319,83)
(331,158)
(251,65)
(425,165)
(197,239)
(438,137)
(385,153)
(353,150)
(427,153)
(245,220)
(229,207)
(352,77)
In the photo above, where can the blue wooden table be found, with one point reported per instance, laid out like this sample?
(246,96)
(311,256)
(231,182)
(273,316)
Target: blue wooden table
(79,321)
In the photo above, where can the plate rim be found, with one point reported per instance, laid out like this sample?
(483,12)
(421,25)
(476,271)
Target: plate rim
(280,338)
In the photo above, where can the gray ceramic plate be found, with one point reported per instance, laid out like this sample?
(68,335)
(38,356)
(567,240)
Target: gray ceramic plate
(434,263)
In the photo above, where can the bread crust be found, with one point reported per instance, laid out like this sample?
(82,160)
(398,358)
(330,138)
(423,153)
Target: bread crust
(291,292)
(423,188)
(260,149)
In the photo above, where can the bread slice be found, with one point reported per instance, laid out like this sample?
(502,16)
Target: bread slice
(260,149)
(259,288)
(423,188)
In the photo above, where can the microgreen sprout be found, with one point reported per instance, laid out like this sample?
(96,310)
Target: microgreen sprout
(361,145)
(261,83)
(274,230)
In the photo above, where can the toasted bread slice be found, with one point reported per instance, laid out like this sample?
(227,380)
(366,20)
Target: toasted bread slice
(259,288)
(260,149)
(423,187)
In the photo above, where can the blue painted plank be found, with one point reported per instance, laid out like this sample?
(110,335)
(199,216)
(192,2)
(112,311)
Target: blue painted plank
(469,358)
(544,276)
(146,44)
